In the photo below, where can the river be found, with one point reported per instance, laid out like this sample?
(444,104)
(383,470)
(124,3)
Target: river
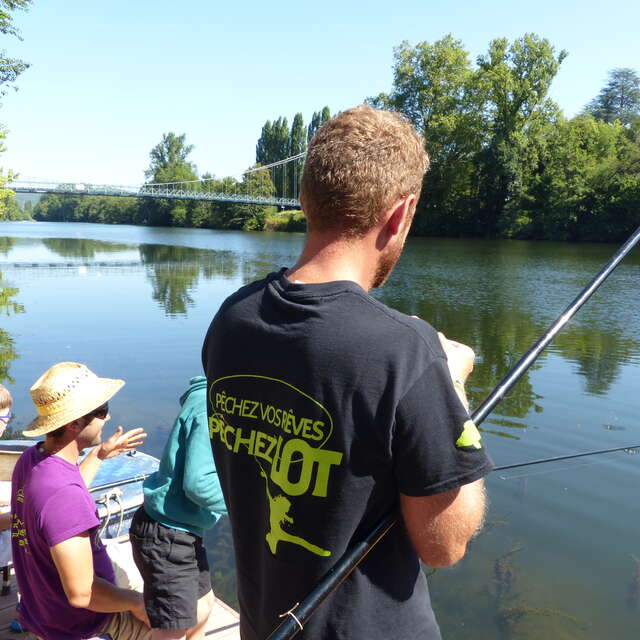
(559,556)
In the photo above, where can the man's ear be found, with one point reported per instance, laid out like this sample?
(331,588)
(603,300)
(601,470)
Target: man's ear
(400,214)
(76,426)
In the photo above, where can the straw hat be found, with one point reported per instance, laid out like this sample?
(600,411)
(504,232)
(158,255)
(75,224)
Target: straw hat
(65,392)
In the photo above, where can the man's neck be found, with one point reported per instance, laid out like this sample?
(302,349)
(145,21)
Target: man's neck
(327,259)
(65,449)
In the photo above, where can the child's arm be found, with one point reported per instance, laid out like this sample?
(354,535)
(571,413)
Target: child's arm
(200,482)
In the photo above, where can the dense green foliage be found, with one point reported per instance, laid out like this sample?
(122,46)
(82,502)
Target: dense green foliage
(504,160)
(287,221)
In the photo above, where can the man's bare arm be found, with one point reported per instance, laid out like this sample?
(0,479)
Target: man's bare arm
(441,526)
(5,521)
(85,590)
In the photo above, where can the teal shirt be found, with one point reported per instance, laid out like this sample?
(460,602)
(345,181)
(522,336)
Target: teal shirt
(185,492)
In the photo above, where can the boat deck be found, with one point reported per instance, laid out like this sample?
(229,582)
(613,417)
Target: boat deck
(224,623)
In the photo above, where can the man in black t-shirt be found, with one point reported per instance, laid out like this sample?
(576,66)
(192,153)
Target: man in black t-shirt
(328,409)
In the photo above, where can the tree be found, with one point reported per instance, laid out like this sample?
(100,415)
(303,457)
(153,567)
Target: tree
(169,160)
(433,88)
(619,99)
(274,145)
(250,217)
(7,197)
(317,120)
(169,164)
(10,69)
(559,196)
(297,145)
(514,80)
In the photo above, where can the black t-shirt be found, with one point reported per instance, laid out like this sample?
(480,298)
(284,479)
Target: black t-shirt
(323,405)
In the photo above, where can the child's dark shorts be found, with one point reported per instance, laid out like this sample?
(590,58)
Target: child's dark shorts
(175,571)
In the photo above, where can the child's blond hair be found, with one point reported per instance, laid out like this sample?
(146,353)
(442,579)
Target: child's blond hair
(6,401)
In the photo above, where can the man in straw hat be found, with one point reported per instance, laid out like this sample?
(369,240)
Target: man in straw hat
(63,571)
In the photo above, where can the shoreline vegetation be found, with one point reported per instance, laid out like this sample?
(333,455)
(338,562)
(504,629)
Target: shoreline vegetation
(505,161)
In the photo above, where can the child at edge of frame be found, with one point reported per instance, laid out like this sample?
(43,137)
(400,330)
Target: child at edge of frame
(181,500)
(6,413)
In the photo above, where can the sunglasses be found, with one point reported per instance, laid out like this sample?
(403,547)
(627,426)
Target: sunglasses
(8,416)
(100,412)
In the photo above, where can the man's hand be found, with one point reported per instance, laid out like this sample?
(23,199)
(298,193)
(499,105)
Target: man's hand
(459,358)
(121,442)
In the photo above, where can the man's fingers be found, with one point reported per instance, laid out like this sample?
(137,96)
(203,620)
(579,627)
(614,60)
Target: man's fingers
(460,357)
(133,445)
(138,432)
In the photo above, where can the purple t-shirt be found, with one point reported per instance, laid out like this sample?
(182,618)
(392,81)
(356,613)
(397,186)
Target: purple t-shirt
(50,504)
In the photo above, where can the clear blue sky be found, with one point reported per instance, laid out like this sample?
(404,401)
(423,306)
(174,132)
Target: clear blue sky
(109,78)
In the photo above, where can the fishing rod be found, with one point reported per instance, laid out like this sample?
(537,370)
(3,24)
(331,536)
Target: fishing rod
(295,619)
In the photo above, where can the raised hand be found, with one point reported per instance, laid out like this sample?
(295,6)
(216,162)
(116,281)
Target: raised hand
(460,358)
(121,442)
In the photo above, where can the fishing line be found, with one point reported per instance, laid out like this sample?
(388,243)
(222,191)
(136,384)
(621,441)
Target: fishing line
(555,469)
(633,449)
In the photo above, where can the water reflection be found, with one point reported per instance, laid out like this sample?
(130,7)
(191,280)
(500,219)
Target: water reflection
(500,297)
(81,247)
(599,355)
(496,297)
(174,272)
(8,306)
(6,244)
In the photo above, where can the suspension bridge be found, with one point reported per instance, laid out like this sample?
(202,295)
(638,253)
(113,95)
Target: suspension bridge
(276,184)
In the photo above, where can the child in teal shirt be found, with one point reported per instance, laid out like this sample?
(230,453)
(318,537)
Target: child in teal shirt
(181,500)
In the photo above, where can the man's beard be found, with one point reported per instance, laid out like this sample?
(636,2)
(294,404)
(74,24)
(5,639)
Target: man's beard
(385,265)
